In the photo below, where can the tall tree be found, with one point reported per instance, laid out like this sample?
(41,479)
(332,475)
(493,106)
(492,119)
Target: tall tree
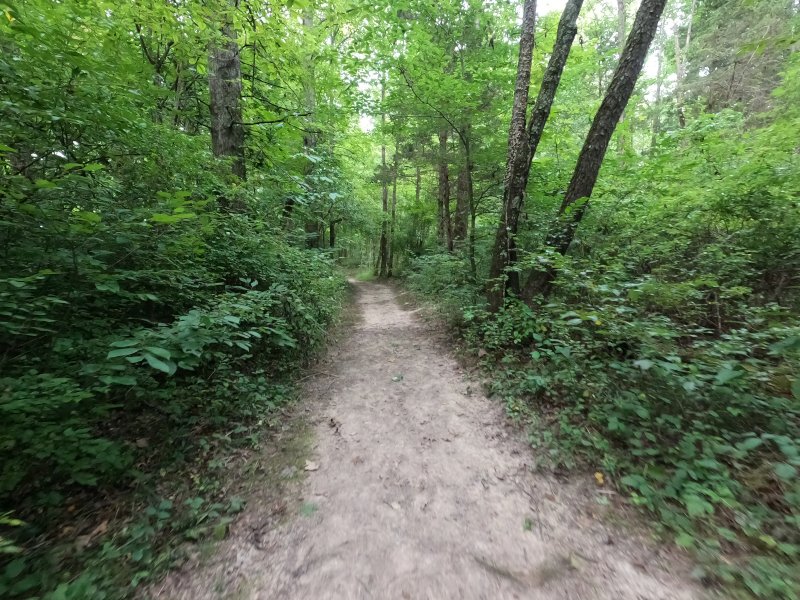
(225,93)
(576,198)
(517,166)
(622,18)
(443,197)
(656,111)
(681,49)
(463,202)
(393,211)
(524,141)
(383,245)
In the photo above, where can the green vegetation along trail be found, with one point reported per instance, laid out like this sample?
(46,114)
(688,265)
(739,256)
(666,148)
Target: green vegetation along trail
(417,488)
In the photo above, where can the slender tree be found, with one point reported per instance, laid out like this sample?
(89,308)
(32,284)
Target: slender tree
(383,250)
(444,227)
(463,201)
(524,141)
(659,86)
(393,215)
(623,82)
(681,48)
(621,27)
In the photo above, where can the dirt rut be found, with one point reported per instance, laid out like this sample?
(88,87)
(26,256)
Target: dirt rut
(418,489)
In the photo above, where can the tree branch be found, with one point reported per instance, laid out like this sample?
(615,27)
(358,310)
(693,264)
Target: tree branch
(429,105)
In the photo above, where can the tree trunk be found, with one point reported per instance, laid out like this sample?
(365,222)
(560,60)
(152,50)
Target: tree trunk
(621,26)
(384,243)
(595,146)
(225,95)
(461,218)
(417,183)
(659,87)
(516,177)
(473,215)
(390,272)
(680,65)
(520,157)
(464,189)
(445,232)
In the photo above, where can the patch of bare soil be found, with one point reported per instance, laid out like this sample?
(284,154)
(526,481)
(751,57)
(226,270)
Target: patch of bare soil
(416,488)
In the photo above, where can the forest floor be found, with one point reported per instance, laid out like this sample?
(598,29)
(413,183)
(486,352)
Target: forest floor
(400,479)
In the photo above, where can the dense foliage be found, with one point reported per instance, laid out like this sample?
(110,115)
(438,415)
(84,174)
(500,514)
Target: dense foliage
(666,352)
(152,304)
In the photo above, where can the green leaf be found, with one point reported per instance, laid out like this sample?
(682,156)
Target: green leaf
(14,568)
(166,219)
(696,506)
(107,286)
(88,216)
(125,343)
(126,380)
(165,367)
(161,352)
(122,352)
(749,444)
(726,375)
(785,471)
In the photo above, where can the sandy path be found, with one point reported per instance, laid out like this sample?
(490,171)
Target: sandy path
(423,492)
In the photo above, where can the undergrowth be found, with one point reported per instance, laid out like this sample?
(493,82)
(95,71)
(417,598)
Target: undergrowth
(667,354)
(145,339)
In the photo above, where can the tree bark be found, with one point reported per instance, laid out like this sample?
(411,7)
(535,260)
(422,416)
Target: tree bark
(417,183)
(517,169)
(395,167)
(463,194)
(621,27)
(384,242)
(445,232)
(225,95)
(595,146)
(659,87)
(524,141)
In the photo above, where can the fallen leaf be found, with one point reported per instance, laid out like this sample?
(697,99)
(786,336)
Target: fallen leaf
(576,562)
(599,478)
(395,505)
(311,466)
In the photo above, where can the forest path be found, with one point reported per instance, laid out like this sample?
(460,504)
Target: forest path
(417,488)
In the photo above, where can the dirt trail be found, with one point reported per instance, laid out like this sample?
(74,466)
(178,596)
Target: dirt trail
(423,492)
